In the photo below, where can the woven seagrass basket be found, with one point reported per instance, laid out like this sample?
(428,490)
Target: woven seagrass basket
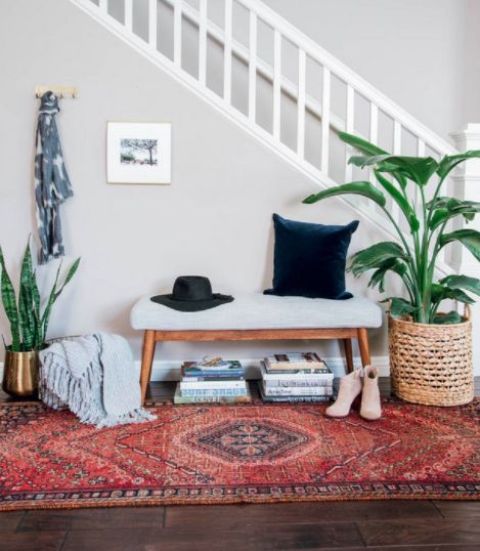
(431,364)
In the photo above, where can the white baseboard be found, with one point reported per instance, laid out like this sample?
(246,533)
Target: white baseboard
(170,370)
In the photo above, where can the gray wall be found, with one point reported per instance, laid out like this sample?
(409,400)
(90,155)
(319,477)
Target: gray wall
(215,218)
(412,51)
(472,63)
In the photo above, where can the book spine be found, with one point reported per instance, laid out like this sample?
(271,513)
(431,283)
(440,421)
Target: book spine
(300,360)
(290,366)
(327,378)
(220,367)
(296,365)
(194,372)
(297,373)
(312,391)
(295,399)
(186,385)
(188,379)
(281,383)
(306,371)
(214,392)
(212,399)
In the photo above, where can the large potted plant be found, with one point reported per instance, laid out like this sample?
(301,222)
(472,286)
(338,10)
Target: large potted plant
(28,323)
(430,351)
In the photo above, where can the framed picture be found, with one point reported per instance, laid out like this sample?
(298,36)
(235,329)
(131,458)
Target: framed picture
(139,153)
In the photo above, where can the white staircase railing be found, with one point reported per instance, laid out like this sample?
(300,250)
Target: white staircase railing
(360,96)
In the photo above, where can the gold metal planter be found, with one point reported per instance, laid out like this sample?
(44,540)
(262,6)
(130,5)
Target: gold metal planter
(20,374)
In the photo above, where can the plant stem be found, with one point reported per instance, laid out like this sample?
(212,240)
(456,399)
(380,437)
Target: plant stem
(416,298)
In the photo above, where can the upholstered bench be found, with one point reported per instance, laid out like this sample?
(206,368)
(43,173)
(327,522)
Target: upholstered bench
(257,317)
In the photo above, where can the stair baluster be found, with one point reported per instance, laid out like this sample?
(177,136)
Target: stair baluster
(227,53)
(302,84)
(325,120)
(277,75)
(349,127)
(202,43)
(177,32)
(152,23)
(252,68)
(128,17)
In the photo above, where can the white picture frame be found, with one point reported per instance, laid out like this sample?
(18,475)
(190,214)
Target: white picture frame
(139,153)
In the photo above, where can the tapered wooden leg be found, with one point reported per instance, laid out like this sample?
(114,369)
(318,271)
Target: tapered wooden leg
(148,352)
(347,344)
(364,347)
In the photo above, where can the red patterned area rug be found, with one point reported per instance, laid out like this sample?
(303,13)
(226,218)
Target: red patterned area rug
(251,454)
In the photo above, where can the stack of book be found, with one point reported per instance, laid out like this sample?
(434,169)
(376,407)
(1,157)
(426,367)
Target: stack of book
(214,381)
(297,377)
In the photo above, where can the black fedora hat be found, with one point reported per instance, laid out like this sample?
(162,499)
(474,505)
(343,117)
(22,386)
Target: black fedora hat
(192,294)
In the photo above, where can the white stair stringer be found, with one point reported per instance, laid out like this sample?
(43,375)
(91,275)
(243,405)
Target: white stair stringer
(322,110)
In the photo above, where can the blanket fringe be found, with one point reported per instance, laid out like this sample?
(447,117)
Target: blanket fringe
(82,395)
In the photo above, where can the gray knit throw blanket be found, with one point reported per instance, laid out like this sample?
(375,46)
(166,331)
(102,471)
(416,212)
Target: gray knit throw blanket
(94,377)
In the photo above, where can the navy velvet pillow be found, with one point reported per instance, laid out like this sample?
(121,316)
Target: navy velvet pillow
(310,259)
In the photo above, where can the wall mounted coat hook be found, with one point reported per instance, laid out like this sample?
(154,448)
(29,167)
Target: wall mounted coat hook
(60,91)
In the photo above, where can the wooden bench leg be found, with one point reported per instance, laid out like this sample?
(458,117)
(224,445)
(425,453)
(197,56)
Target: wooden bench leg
(364,347)
(347,344)
(148,352)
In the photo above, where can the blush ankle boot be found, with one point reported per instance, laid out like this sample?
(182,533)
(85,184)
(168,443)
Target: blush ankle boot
(371,407)
(350,388)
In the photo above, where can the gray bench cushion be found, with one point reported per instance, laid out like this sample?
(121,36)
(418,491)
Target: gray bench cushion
(258,311)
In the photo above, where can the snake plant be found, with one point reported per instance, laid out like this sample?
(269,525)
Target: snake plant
(413,257)
(28,321)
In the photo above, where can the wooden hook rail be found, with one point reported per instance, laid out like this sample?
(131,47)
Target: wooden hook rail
(60,91)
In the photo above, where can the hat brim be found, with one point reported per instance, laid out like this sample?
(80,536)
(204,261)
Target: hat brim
(192,305)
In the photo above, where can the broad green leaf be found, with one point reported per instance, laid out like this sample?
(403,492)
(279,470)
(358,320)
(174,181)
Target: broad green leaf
(363,161)
(446,208)
(441,292)
(381,164)
(447,319)
(439,203)
(449,162)
(365,189)
(10,304)
(438,218)
(400,307)
(362,145)
(417,169)
(375,256)
(370,150)
(468,209)
(452,203)
(401,201)
(471,284)
(469,239)
(390,265)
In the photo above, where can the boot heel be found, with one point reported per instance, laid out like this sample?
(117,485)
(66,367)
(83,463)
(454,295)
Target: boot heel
(357,403)
(371,406)
(350,389)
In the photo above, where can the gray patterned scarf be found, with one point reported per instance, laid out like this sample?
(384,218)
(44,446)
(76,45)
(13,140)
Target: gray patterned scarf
(52,184)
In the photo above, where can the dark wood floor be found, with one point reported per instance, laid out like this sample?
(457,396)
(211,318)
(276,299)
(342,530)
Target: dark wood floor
(375,525)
